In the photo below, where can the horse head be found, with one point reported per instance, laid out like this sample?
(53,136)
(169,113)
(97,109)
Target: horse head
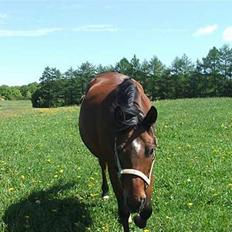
(135,147)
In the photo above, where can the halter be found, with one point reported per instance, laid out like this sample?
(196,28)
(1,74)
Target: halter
(131,171)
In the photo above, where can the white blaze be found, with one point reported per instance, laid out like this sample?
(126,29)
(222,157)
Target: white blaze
(137,145)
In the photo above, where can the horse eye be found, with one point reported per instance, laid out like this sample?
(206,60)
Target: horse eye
(149,151)
(120,148)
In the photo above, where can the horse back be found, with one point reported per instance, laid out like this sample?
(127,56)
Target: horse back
(96,120)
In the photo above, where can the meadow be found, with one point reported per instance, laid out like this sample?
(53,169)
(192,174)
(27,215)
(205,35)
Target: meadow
(49,181)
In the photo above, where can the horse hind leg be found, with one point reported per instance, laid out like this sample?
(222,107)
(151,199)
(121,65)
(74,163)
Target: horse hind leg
(105,187)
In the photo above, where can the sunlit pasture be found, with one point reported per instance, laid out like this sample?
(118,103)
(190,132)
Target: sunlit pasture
(49,181)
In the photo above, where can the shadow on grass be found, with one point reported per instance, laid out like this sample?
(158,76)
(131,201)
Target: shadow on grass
(43,211)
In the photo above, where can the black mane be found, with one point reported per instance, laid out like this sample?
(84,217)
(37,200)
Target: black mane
(127,94)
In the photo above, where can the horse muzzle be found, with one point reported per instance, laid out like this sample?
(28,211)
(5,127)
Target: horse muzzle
(136,205)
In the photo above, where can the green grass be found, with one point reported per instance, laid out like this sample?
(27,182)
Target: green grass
(50,182)
(15,106)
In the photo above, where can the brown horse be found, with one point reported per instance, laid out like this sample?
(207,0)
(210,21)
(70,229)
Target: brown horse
(115,122)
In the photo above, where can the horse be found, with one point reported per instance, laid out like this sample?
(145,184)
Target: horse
(116,124)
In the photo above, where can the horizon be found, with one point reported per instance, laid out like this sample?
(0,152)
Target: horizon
(63,71)
(65,34)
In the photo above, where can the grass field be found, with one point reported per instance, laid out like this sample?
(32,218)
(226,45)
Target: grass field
(49,182)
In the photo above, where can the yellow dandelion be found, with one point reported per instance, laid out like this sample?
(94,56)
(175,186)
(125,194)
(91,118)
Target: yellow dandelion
(93,194)
(61,171)
(11,189)
(190,204)
(105,228)
(146,230)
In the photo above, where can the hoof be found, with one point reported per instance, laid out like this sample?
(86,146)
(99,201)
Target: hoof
(130,219)
(105,197)
(139,221)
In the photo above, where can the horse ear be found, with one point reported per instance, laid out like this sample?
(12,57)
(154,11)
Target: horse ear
(150,118)
(118,114)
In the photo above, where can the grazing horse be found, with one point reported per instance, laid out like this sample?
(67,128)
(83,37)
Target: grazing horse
(115,123)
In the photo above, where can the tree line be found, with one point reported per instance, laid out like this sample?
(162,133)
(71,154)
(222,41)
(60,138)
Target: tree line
(209,77)
(23,92)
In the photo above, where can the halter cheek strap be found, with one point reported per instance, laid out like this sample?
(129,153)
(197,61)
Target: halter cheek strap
(127,171)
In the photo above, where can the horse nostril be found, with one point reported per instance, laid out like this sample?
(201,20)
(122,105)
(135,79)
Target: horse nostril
(143,200)
(136,205)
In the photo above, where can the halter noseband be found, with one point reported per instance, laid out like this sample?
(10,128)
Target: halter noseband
(131,171)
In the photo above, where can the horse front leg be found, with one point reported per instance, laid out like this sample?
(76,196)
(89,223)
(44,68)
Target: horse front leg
(123,211)
(124,215)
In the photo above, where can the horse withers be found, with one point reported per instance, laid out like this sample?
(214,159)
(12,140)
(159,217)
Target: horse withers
(116,124)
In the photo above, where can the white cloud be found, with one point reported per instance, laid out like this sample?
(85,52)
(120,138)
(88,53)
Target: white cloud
(170,30)
(227,34)
(97,28)
(204,31)
(28,33)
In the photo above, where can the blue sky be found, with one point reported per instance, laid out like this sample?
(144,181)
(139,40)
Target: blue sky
(61,34)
